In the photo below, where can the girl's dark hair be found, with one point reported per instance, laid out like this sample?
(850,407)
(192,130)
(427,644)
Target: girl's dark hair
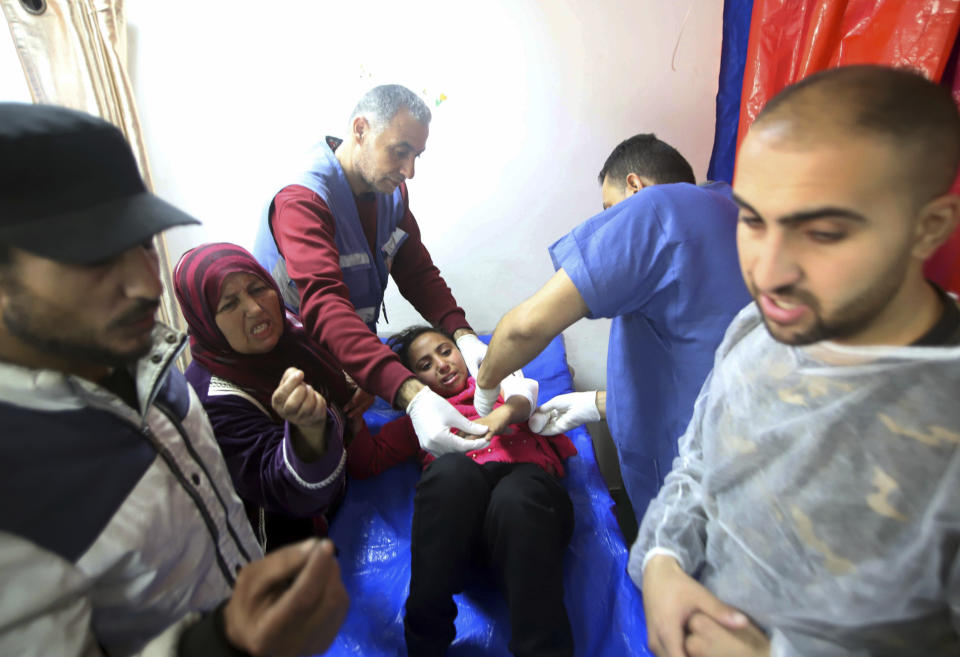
(400,342)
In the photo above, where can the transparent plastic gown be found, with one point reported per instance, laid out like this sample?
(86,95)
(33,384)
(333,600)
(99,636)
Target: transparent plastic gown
(818,490)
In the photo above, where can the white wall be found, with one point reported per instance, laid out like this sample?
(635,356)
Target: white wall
(538,93)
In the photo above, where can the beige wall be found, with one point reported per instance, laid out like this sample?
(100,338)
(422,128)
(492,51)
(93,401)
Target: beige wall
(538,93)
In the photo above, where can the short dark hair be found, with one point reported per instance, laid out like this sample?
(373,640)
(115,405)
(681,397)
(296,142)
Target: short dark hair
(649,157)
(400,342)
(916,116)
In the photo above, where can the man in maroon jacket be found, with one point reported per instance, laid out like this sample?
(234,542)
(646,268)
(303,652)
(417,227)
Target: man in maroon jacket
(332,237)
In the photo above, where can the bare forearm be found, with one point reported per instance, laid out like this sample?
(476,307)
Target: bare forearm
(309,442)
(515,409)
(515,343)
(527,329)
(602,403)
(407,391)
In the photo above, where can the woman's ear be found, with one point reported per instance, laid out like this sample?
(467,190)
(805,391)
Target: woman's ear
(935,223)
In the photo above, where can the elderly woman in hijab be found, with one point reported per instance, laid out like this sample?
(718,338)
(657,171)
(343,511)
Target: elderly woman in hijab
(273,396)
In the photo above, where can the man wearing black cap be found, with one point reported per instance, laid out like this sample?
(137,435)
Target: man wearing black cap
(120,530)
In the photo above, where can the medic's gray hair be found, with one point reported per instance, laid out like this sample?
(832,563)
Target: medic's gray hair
(381,104)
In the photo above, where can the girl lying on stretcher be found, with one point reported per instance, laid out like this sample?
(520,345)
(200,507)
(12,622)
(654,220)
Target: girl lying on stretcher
(501,507)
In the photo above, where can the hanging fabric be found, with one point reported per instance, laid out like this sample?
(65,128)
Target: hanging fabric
(791,39)
(74,53)
(733,58)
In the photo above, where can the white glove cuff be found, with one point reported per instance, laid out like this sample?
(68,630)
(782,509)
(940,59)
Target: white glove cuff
(594,409)
(419,394)
(517,386)
(468,340)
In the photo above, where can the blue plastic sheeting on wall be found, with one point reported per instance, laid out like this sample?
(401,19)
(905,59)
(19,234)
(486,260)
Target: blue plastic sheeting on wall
(733,59)
(372,533)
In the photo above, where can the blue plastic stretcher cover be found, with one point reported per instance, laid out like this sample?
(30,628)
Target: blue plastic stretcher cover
(372,533)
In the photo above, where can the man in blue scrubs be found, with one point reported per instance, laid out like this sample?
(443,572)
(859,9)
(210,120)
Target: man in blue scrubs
(661,261)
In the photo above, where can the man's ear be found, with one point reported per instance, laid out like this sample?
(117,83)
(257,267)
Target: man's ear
(935,223)
(361,128)
(635,183)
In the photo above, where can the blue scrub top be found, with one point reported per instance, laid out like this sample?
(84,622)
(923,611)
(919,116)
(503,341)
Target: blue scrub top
(663,265)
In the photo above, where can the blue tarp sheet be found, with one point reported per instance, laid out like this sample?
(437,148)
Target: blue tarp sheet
(733,58)
(372,533)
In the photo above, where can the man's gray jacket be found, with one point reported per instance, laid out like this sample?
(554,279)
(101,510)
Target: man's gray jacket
(116,525)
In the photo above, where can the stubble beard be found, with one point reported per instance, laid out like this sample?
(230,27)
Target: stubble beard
(36,325)
(363,169)
(849,320)
(368,174)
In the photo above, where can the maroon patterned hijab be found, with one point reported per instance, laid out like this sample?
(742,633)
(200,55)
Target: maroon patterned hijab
(198,282)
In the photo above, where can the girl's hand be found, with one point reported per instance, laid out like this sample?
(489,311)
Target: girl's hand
(498,422)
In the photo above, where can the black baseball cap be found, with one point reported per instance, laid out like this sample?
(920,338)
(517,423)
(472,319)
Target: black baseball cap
(70,189)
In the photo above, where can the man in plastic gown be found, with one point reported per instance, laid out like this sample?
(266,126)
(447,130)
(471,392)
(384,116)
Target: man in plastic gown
(813,507)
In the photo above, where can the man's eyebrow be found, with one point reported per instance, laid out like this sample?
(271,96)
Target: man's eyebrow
(807,215)
(743,204)
(406,144)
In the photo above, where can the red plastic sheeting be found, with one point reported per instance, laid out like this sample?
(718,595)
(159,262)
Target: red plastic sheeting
(791,39)
(944,266)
